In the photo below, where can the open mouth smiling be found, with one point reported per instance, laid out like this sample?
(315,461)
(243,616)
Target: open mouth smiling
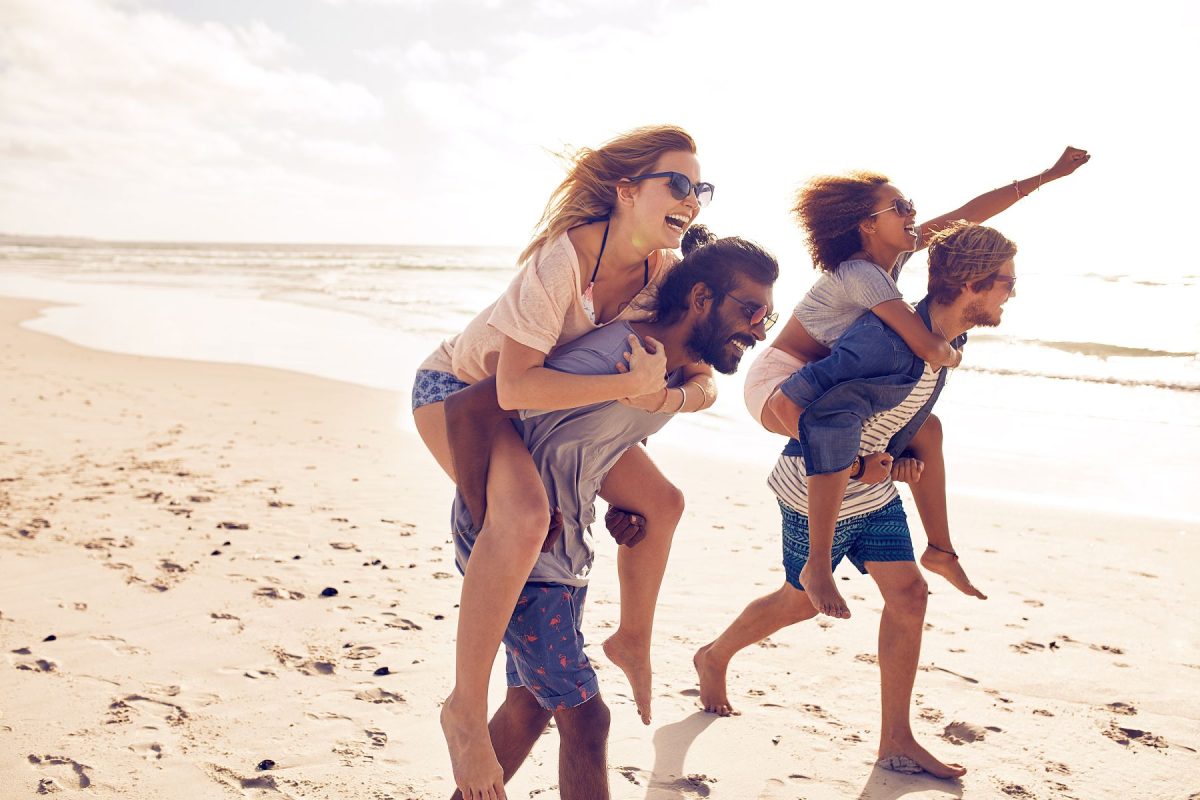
(677,222)
(741,343)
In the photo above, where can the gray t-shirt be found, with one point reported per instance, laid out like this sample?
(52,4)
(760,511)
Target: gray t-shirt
(842,296)
(574,449)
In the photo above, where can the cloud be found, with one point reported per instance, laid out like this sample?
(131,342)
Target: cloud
(424,59)
(98,98)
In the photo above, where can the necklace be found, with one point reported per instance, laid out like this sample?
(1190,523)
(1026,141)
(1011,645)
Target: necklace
(940,331)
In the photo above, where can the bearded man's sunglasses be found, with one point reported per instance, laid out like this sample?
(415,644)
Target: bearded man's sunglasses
(756,313)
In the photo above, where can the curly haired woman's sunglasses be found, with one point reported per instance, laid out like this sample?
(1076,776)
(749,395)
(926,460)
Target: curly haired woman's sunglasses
(681,186)
(901,206)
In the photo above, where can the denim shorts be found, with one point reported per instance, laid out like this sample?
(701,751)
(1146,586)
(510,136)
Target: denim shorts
(544,646)
(432,386)
(880,535)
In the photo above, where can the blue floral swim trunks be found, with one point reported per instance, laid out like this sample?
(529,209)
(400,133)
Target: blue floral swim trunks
(433,386)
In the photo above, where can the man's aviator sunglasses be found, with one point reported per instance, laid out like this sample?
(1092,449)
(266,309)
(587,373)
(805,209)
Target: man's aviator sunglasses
(756,314)
(901,206)
(681,186)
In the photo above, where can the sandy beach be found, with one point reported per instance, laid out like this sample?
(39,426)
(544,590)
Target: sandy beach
(234,581)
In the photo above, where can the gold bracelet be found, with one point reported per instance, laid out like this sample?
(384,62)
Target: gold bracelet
(682,399)
(663,404)
(704,393)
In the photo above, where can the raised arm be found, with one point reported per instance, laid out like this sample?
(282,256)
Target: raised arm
(927,345)
(989,204)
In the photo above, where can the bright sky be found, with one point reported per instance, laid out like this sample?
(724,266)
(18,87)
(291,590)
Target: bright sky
(432,121)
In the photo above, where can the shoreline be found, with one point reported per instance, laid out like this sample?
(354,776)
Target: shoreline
(1009,422)
(188,649)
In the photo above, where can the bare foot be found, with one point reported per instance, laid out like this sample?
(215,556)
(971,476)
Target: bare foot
(947,565)
(634,661)
(909,757)
(822,592)
(713,692)
(477,773)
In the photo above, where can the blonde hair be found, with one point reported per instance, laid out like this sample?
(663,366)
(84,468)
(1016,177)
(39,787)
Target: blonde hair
(590,188)
(965,253)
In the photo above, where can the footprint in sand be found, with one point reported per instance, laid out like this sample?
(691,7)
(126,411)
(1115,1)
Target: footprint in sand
(228,777)
(966,732)
(931,715)
(118,645)
(377,695)
(695,785)
(360,652)
(124,709)
(1127,736)
(273,593)
(62,771)
(237,621)
(151,751)
(401,623)
(1126,709)
(308,666)
(36,664)
(630,774)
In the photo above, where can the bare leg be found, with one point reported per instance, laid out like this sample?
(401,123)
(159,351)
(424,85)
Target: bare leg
(514,729)
(825,495)
(929,493)
(583,751)
(905,594)
(763,617)
(503,556)
(473,415)
(635,484)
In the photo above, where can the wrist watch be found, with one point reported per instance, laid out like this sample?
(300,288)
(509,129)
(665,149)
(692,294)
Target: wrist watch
(857,467)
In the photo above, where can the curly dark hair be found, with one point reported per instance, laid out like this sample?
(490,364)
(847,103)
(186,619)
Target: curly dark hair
(829,208)
(714,262)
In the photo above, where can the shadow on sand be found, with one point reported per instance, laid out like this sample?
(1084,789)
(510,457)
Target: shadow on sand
(883,784)
(671,744)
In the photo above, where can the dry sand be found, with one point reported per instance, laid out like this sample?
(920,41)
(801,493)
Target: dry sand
(167,529)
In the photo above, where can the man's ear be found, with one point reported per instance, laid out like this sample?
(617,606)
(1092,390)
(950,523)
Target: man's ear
(700,297)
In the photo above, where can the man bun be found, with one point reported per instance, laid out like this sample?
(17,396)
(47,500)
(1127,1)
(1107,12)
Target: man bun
(697,236)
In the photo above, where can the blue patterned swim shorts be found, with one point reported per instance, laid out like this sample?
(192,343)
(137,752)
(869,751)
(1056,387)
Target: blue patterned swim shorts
(432,386)
(544,646)
(876,536)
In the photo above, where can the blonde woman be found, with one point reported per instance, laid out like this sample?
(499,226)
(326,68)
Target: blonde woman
(605,237)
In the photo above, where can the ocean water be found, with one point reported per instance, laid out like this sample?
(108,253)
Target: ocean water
(1099,369)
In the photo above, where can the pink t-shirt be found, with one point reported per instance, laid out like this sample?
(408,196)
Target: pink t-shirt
(542,308)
